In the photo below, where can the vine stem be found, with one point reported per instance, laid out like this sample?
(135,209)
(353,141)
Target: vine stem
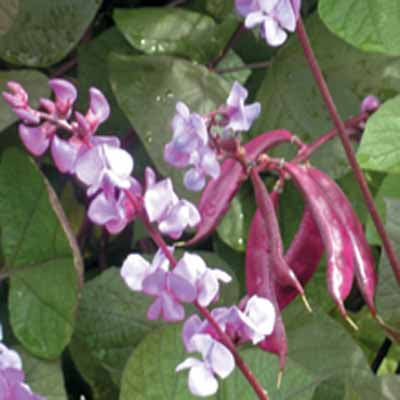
(244,368)
(341,129)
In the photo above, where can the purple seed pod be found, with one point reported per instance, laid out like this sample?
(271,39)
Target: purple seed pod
(303,256)
(284,275)
(218,194)
(364,261)
(337,242)
(261,281)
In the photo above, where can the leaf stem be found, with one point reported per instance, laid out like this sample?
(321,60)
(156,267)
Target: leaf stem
(213,63)
(341,129)
(382,353)
(244,368)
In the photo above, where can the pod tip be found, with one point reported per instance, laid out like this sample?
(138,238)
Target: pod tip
(351,323)
(180,244)
(279,379)
(306,303)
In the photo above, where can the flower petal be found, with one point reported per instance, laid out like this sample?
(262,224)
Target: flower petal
(64,154)
(99,105)
(134,270)
(155,283)
(182,289)
(155,309)
(194,180)
(172,310)
(221,360)
(188,363)
(202,381)
(35,139)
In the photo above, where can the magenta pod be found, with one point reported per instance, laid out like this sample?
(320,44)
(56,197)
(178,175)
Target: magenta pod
(364,261)
(303,256)
(340,255)
(284,274)
(260,281)
(218,194)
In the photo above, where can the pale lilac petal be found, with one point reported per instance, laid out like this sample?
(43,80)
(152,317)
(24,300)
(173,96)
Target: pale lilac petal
(182,289)
(190,328)
(89,166)
(119,161)
(116,226)
(253,19)
(27,115)
(155,309)
(237,95)
(203,344)
(84,128)
(160,260)
(194,180)
(210,165)
(112,141)
(194,217)
(208,289)
(64,154)
(201,381)
(296,4)
(200,128)
(149,177)
(188,363)
(175,157)
(252,112)
(134,270)
(47,105)
(273,33)
(9,358)
(245,7)
(64,91)
(99,105)
(221,360)
(35,139)
(182,109)
(222,275)
(102,209)
(155,283)
(159,198)
(262,314)
(171,309)
(268,5)
(284,13)
(175,222)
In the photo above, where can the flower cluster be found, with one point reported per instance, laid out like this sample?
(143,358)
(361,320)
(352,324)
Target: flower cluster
(253,324)
(190,281)
(12,386)
(274,17)
(193,143)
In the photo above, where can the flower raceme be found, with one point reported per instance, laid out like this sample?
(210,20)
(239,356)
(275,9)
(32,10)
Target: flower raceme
(275,17)
(190,281)
(193,142)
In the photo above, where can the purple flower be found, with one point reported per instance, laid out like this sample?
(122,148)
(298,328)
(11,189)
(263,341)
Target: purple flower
(241,117)
(103,163)
(205,164)
(190,134)
(163,206)
(113,208)
(9,358)
(37,138)
(65,96)
(370,104)
(275,17)
(217,360)
(99,109)
(157,280)
(193,269)
(18,98)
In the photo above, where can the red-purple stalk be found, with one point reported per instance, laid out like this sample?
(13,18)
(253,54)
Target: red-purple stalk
(331,107)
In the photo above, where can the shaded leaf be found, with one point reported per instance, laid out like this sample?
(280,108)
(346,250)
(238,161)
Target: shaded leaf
(41,257)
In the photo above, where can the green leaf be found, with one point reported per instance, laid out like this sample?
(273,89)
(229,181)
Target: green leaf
(35,84)
(41,257)
(390,386)
(147,89)
(371,25)
(43,377)
(291,100)
(380,145)
(8,12)
(147,375)
(388,293)
(111,321)
(174,31)
(51,29)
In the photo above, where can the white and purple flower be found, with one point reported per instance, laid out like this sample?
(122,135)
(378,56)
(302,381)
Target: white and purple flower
(275,17)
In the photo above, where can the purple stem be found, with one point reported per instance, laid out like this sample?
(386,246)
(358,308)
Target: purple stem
(244,368)
(369,201)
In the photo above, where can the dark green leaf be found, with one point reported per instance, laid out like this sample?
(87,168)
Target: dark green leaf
(51,29)
(8,12)
(371,25)
(41,258)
